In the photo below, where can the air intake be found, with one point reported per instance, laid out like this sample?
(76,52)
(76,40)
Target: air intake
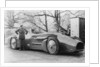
(80,46)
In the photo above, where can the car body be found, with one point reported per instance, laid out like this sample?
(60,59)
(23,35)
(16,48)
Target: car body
(51,42)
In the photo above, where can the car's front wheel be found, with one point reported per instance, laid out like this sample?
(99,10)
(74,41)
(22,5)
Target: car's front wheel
(13,43)
(52,45)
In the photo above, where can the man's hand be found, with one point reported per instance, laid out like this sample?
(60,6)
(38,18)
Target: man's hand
(26,32)
(16,31)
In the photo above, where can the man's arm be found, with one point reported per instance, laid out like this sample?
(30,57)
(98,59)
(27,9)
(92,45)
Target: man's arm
(26,31)
(16,31)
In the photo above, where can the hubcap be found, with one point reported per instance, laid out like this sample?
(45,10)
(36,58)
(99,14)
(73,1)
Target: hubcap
(13,43)
(52,46)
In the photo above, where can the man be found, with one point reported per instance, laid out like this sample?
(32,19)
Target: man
(21,31)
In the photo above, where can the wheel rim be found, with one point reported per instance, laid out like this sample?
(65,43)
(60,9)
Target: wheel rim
(52,47)
(13,43)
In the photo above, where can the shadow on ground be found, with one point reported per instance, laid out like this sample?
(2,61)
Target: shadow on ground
(74,54)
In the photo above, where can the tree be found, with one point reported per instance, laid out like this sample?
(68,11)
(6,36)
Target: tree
(56,15)
(32,19)
(46,24)
(11,18)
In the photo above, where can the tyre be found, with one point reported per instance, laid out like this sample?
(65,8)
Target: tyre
(52,45)
(13,43)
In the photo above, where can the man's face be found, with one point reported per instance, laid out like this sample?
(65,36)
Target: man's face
(21,26)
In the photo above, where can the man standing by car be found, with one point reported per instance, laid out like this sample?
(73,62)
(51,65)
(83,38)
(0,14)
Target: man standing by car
(21,31)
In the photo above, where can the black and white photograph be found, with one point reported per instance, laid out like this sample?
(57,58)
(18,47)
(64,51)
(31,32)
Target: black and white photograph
(50,36)
(44,36)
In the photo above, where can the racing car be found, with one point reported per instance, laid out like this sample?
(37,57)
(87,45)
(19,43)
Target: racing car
(52,43)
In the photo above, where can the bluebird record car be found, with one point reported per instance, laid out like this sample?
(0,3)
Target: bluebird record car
(52,43)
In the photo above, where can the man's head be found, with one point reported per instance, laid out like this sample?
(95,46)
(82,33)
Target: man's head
(21,25)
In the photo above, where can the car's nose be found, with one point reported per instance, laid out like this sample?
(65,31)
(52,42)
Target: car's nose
(80,46)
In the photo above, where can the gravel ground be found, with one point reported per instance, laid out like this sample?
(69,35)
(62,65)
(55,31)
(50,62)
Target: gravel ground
(34,56)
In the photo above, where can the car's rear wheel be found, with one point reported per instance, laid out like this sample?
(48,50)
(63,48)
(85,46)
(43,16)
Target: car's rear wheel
(13,43)
(52,45)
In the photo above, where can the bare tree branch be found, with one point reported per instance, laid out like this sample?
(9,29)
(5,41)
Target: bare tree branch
(50,13)
(41,21)
(69,12)
(39,27)
(31,21)
(39,15)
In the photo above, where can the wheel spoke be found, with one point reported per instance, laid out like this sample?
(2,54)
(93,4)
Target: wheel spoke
(52,46)
(13,43)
